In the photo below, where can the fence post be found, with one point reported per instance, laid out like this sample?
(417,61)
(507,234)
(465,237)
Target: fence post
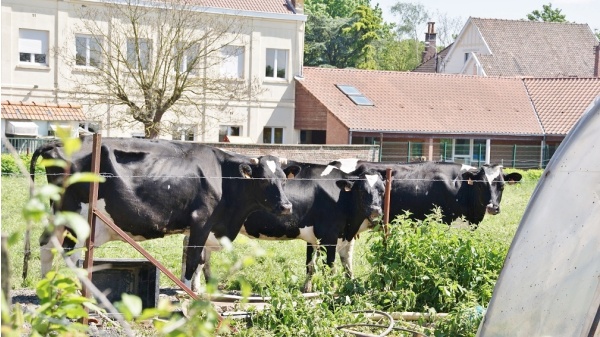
(386,200)
(408,154)
(479,157)
(445,151)
(514,156)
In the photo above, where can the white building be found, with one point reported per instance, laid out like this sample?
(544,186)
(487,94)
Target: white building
(36,35)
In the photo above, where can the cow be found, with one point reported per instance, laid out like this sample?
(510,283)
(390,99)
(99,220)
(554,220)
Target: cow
(155,188)
(329,206)
(458,190)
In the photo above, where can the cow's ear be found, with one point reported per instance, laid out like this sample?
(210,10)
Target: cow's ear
(513,178)
(345,185)
(292,171)
(246,170)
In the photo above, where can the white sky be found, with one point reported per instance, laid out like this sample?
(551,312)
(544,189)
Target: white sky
(579,11)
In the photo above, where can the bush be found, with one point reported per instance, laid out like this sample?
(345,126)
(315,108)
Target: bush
(9,165)
(427,265)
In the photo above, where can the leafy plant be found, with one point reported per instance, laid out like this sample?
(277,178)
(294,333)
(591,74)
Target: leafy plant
(9,164)
(427,264)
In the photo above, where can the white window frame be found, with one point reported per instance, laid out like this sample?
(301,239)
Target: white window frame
(33,44)
(186,55)
(274,58)
(470,158)
(146,53)
(88,50)
(233,61)
(229,130)
(272,140)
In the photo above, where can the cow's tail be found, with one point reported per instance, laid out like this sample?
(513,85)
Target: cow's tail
(27,249)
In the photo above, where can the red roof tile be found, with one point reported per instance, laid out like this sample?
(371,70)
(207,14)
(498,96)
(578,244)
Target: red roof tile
(539,49)
(560,102)
(412,102)
(268,6)
(15,110)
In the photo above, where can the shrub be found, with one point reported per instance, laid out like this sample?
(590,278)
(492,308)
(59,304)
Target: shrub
(427,265)
(9,165)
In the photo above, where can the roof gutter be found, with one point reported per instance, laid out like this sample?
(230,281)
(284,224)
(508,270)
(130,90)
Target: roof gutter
(441,134)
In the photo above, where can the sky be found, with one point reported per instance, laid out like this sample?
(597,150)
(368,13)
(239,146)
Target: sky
(579,11)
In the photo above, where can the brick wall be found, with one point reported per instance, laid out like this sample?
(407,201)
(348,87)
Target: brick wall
(318,154)
(310,114)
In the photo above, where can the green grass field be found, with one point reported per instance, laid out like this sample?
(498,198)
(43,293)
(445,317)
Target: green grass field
(282,263)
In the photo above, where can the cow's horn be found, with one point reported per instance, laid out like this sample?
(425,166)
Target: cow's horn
(283,161)
(253,161)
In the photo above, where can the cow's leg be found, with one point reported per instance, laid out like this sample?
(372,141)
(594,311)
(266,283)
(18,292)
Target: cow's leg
(194,258)
(46,247)
(345,250)
(311,259)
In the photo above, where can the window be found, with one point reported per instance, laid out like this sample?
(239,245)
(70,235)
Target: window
(138,53)
(183,132)
(470,151)
(33,46)
(354,95)
(187,59)
(88,51)
(276,63)
(233,62)
(226,130)
(313,137)
(467,57)
(273,135)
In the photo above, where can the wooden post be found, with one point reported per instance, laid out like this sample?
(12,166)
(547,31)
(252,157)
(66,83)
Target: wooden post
(88,262)
(386,200)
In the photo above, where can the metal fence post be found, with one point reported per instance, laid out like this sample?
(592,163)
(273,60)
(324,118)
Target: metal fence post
(408,154)
(514,159)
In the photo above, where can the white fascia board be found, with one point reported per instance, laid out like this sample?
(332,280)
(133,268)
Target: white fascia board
(225,11)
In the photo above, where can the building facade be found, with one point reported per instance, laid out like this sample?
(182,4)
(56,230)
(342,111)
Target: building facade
(48,56)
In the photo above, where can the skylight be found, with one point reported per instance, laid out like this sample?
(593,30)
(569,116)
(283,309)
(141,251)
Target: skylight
(354,95)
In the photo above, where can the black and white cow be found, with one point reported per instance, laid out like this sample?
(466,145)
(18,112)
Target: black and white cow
(329,207)
(154,188)
(458,190)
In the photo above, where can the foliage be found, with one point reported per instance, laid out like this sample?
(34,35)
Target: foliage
(341,33)
(412,16)
(9,164)
(463,321)
(396,55)
(61,305)
(427,264)
(547,14)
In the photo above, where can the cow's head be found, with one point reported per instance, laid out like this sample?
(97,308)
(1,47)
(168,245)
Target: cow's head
(487,184)
(367,190)
(269,179)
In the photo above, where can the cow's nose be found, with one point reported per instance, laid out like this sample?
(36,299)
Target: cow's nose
(375,213)
(493,209)
(285,208)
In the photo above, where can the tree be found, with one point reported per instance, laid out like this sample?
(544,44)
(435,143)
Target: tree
(548,14)
(156,59)
(341,33)
(447,28)
(412,16)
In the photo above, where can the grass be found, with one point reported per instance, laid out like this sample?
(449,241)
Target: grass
(283,261)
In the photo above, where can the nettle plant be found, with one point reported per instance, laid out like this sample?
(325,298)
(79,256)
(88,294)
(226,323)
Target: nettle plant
(427,265)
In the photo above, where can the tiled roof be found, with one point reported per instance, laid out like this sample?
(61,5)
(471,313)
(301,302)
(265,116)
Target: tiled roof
(560,102)
(538,49)
(430,65)
(268,6)
(42,111)
(412,102)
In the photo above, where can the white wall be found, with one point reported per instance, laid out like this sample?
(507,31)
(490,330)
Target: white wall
(274,107)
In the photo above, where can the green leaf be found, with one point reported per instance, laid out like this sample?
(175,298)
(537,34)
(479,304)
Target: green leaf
(85,177)
(133,303)
(54,163)
(75,222)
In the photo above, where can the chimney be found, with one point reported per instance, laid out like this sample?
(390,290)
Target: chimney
(430,42)
(597,61)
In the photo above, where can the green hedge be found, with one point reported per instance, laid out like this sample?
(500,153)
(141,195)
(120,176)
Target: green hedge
(9,164)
